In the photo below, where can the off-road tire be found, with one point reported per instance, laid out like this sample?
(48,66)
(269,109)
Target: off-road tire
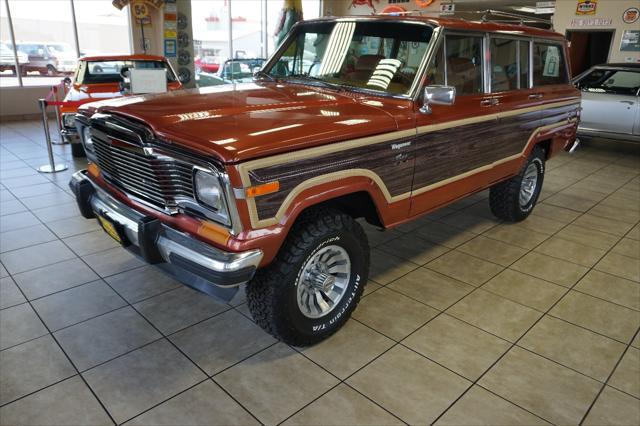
(504,197)
(77,150)
(272,293)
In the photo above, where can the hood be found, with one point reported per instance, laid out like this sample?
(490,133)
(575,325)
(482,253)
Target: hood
(244,121)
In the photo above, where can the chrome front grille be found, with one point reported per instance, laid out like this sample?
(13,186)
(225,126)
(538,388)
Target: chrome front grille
(157,179)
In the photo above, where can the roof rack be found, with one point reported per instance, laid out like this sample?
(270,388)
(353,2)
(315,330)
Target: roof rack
(504,17)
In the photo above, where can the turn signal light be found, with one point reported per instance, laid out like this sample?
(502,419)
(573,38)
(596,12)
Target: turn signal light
(213,233)
(265,188)
(93,169)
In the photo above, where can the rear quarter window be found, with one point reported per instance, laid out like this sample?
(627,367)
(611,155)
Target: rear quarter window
(549,64)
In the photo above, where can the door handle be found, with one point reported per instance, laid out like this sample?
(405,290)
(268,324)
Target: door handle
(536,96)
(490,102)
(627,102)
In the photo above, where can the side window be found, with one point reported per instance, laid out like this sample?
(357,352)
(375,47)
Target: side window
(524,64)
(504,64)
(435,72)
(548,64)
(464,63)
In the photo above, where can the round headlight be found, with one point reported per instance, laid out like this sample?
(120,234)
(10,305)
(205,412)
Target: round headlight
(69,120)
(86,138)
(208,189)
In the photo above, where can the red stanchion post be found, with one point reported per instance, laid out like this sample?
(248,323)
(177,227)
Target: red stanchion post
(51,167)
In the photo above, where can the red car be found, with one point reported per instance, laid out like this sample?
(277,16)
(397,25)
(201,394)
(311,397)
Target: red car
(98,78)
(207,64)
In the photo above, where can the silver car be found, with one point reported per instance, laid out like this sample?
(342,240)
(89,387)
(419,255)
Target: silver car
(610,102)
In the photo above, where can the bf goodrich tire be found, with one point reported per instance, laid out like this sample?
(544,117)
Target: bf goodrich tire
(309,291)
(77,150)
(514,199)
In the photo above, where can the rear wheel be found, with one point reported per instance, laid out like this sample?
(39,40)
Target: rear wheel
(514,199)
(309,291)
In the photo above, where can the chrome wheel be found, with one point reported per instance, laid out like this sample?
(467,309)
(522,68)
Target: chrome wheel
(323,281)
(529,184)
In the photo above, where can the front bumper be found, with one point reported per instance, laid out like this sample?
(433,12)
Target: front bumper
(195,263)
(70,135)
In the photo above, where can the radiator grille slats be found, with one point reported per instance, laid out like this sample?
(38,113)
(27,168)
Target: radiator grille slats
(156,179)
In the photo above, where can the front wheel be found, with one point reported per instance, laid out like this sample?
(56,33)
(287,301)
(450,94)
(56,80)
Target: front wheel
(514,199)
(309,291)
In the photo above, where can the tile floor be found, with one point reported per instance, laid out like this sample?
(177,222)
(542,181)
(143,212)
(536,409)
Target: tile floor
(465,321)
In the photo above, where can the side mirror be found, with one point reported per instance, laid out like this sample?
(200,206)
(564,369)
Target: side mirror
(437,95)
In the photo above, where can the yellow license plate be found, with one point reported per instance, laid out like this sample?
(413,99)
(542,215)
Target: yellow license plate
(109,228)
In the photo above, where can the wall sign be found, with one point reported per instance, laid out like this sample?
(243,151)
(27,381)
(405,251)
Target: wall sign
(630,41)
(170,25)
(631,15)
(591,22)
(586,7)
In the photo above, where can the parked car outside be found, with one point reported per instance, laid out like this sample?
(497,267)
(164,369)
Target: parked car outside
(261,183)
(610,102)
(48,58)
(99,78)
(7,59)
(208,64)
(232,71)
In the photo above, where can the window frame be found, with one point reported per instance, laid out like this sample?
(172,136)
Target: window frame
(549,42)
(484,68)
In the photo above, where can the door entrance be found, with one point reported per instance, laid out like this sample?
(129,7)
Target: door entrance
(588,48)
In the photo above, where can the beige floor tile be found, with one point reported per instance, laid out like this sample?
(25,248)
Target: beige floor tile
(342,406)
(565,200)
(550,269)
(432,288)
(361,343)
(598,223)
(392,313)
(541,224)
(615,213)
(570,251)
(414,249)
(627,375)
(445,235)
(588,237)
(495,314)
(611,288)
(480,407)
(525,289)
(555,393)
(614,408)
(465,268)
(375,236)
(458,346)
(598,315)
(471,222)
(559,214)
(408,385)
(628,247)
(386,268)
(275,383)
(574,347)
(634,233)
(621,266)
(636,341)
(492,250)
(515,235)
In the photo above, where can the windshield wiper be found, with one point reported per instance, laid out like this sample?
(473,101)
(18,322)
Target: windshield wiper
(264,74)
(310,78)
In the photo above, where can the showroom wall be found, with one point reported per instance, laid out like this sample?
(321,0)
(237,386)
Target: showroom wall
(608,16)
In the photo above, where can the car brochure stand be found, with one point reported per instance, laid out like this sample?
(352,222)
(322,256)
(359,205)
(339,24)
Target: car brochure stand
(51,167)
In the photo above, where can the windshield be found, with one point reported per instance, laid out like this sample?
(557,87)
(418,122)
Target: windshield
(617,82)
(379,56)
(91,72)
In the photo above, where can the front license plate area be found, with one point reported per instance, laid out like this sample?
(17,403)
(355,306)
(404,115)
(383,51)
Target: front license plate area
(114,230)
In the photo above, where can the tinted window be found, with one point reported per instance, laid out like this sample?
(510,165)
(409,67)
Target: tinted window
(548,64)
(464,64)
(524,64)
(616,82)
(504,64)
(435,72)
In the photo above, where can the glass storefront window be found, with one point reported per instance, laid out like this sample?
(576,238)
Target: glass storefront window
(102,28)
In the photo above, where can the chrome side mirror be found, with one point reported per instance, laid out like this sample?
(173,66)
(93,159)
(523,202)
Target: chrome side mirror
(437,95)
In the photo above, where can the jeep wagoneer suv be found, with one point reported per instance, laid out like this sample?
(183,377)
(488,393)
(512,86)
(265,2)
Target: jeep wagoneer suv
(384,118)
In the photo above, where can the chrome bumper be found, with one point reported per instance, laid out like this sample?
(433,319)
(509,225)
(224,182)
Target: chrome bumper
(195,263)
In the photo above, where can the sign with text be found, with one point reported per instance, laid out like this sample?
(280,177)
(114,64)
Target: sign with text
(586,7)
(591,22)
